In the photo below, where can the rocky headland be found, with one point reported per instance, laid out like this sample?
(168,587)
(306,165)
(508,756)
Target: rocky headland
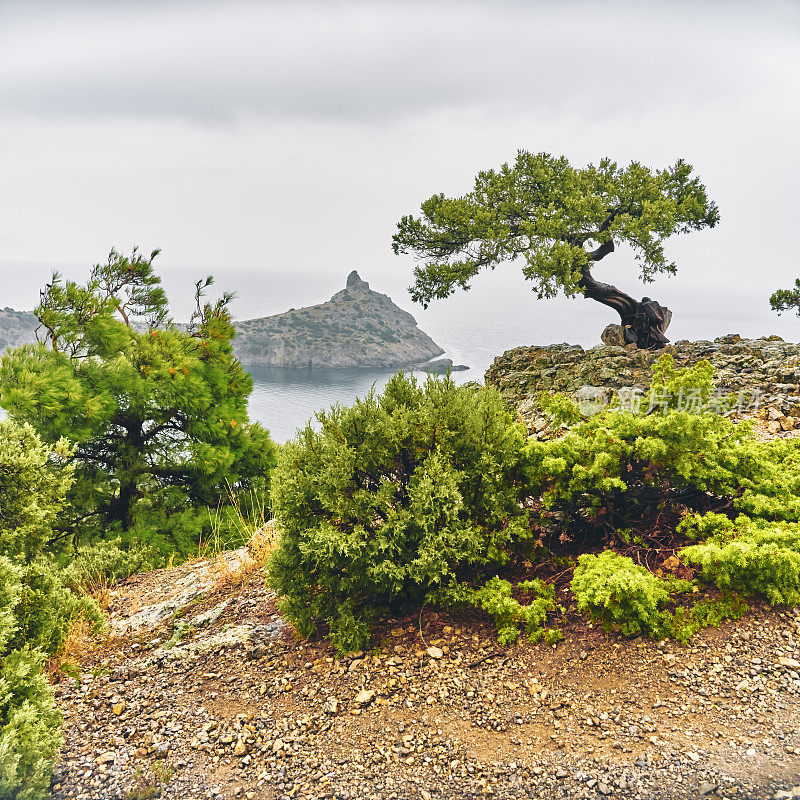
(16,328)
(764,372)
(357,327)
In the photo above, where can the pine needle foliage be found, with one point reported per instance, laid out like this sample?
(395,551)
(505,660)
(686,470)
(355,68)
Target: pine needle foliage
(393,501)
(155,414)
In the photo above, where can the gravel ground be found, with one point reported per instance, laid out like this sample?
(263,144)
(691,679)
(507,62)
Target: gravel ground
(231,706)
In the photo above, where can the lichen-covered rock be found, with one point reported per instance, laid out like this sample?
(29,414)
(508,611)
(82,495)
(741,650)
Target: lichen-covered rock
(765,371)
(613,336)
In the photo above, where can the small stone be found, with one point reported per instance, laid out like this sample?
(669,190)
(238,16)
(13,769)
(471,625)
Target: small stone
(240,749)
(603,788)
(693,756)
(751,751)
(331,706)
(118,708)
(364,697)
(791,663)
(707,788)
(435,652)
(106,758)
(161,748)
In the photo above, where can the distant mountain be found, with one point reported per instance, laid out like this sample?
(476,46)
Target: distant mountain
(16,328)
(357,327)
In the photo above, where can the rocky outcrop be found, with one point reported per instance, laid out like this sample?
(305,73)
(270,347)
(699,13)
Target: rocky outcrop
(16,328)
(357,327)
(441,366)
(765,371)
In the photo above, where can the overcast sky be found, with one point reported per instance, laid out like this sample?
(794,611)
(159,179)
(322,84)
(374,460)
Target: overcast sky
(291,136)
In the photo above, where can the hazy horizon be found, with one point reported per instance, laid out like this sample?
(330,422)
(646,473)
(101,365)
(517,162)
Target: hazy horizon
(274,138)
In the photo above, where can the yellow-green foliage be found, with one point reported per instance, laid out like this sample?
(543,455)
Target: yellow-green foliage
(623,595)
(29,723)
(104,562)
(34,480)
(510,615)
(36,607)
(749,556)
(626,461)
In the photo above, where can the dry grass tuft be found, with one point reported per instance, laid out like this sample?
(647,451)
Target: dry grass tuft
(77,645)
(263,541)
(100,590)
(231,568)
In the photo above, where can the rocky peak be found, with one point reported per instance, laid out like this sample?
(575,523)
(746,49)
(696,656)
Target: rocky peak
(354,282)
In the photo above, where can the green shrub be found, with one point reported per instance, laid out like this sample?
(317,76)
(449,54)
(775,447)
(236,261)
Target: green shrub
(106,562)
(615,470)
(622,595)
(36,606)
(394,501)
(509,614)
(48,607)
(29,727)
(751,556)
(29,723)
(34,480)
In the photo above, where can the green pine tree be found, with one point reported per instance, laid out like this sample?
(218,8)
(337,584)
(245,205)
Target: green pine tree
(156,413)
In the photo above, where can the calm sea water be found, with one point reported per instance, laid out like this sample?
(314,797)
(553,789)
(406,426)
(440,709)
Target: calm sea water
(500,312)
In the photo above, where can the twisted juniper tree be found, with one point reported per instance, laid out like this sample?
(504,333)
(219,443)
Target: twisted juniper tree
(562,221)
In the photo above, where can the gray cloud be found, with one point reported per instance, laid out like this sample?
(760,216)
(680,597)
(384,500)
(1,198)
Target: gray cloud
(292,136)
(381,60)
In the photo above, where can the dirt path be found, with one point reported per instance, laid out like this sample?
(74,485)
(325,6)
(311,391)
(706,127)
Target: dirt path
(202,692)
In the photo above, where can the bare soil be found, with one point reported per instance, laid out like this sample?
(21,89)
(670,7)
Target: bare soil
(436,710)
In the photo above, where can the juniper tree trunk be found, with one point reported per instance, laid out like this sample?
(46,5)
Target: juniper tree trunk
(643,322)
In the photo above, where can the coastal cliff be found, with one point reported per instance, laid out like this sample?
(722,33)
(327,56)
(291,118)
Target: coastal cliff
(357,327)
(16,328)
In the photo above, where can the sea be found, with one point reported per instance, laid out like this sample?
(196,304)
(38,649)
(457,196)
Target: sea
(500,312)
